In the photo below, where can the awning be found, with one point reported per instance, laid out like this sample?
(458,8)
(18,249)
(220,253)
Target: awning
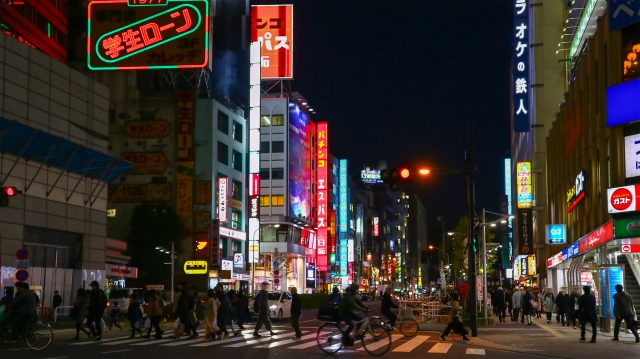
(34,145)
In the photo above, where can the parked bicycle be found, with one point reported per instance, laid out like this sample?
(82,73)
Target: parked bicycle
(36,334)
(375,339)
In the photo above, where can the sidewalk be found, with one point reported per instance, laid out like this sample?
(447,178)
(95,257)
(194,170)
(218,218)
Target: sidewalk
(552,340)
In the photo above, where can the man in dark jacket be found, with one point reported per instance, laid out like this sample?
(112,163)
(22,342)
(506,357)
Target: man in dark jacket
(296,312)
(57,300)
(588,313)
(261,306)
(387,304)
(181,308)
(561,306)
(22,309)
(623,310)
(572,307)
(97,305)
(498,302)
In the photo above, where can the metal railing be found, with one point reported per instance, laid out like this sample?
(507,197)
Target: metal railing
(426,310)
(55,311)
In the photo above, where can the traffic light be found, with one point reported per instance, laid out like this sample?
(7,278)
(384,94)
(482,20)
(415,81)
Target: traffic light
(404,173)
(394,177)
(5,193)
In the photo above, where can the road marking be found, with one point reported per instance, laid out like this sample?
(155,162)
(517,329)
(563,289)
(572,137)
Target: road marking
(411,344)
(305,345)
(441,348)
(234,339)
(122,341)
(57,358)
(285,342)
(255,341)
(116,351)
(151,342)
(475,351)
(381,343)
(91,341)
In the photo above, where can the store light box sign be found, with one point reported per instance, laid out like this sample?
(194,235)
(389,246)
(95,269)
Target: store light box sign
(576,193)
(524,185)
(632,154)
(150,35)
(622,103)
(272,27)
(556,233)
(623,199)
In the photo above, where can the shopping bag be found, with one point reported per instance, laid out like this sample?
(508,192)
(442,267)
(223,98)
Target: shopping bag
(147,323)
(176,324)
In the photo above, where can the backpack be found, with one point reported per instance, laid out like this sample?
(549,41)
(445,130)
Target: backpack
(328,312)
(102,300)
(256,302)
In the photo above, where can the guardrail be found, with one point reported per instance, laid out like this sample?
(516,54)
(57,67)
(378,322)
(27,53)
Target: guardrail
(55,311)
(424,310)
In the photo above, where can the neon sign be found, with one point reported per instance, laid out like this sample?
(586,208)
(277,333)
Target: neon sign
(124,35)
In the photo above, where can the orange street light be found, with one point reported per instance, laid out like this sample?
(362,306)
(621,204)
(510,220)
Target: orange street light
(424,171)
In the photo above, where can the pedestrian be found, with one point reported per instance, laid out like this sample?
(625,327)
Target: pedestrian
(455,323)
(296,313)
(335,296)
(210,317)
(537,311)
(387,304)
(114,315)
(192,301)
(588,313)
(57,300)
(623,310)
(517,303)
(79,313)
(528,306)
(499,303)
(97,305)
(561,303)
(508,296)
(233,313)
(181,310)
(261,306)
(243,308)
(154,313)
(548,300)
(572,307)
(134,313)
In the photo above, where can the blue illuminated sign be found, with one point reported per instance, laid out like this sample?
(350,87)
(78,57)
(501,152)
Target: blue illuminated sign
(343,197)
(622,103)
(623,13)
(556,234)
(344,258)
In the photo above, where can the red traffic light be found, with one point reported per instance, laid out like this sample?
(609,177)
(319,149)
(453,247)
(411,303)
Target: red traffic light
(9,191)
(404,173)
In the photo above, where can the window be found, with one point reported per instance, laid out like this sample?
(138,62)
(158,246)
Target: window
(265,201)
(277,173)
(277,201)
(265,121)
(223,122)
(237,131)
(277,147)
(236,161)
(223,153)
(264,174)
(236,219)
(236,190)
(277,120)
(265,147)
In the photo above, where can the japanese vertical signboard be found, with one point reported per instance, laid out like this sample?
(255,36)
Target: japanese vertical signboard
(344,258)
(323,203)
(376,226)
(272,27)
(524,188)
(525,233)
(214,247)
(148,35)
(521,62)
(185,151)
(344,216)
(222,199)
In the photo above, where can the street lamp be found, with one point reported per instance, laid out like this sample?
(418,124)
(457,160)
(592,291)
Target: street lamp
(173,260)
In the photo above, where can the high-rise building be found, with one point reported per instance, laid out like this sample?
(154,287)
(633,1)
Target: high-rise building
(417,242)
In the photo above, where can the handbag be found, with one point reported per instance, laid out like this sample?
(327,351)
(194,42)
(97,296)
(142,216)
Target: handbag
(534,304)
(73,313)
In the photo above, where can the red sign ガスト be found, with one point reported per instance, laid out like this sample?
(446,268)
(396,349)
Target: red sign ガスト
(174,34)
(272,27)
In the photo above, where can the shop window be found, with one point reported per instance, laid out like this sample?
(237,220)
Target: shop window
(223,122)
(223,153)
(277,147)
(265,147)
(277,120)
(265,201)
(264,174)
(236,190)
(277,201)
(236,219)
(237,131)
(265,121)
(277,173)
(236,161)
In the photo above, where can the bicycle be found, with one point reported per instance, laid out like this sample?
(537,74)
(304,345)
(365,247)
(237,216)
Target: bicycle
(36,334)
(408,326)
(375,339)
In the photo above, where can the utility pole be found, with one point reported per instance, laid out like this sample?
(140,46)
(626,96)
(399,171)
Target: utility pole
(471,252)
(444,276)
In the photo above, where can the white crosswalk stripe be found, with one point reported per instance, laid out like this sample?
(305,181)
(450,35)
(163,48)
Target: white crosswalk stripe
(306,345)
(441,348)
(475,351)
(381,343)
(259,340)
(288,341)
(411,344)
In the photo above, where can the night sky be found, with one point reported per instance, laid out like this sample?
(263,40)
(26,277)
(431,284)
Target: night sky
(398,80)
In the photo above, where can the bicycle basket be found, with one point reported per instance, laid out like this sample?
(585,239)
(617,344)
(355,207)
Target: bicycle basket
(328,312)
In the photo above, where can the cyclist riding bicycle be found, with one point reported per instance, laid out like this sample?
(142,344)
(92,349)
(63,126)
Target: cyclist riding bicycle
(387,304)
(23,309)
(348,305)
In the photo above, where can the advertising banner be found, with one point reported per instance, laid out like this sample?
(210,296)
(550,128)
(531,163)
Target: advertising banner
(610,277)
(322,195)
(623,13)
(214,246)
(632,154)
(344,258)
(524,185)
(520,71)
(577,192)
(556,233)
(623,199)
(202,221)
(202,246)
(627,227)
(185,199)
(622,102)
(203,192)
(143,35)
(299,163)
(371,177)
(147,163)
(342,197)
(272,27)
(222,199)
(376,226)
(525,231)
(185,155)
(139,193)
(597,237)
(147,129)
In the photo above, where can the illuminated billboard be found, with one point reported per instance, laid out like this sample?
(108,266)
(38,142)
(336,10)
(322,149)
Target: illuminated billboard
(141,35)
(322,193)
(343,197)
(371,177)
(272,27)
(523,178)
(299,163)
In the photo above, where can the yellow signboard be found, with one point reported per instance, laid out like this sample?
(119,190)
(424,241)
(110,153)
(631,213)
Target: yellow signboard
(184,194)
(139,192)
(147,163)
(203,192)
(147,129)
(185,171)
(195,267)
(234,203)
(203,221)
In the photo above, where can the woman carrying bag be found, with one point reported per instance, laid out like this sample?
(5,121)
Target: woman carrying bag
(210,317)
(455,323)
(79,313)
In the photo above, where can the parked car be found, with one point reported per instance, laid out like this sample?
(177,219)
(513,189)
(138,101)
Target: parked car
(120,295)
(279,305)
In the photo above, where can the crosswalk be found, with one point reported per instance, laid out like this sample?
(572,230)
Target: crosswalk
(283,339)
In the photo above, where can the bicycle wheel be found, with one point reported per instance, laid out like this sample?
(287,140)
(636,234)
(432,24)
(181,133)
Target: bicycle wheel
(409,328)
(376,340)
(5,337)
(39,336)
(329,338)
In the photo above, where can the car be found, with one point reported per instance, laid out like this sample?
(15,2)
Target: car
(279,305)
(120,295)
(366,298)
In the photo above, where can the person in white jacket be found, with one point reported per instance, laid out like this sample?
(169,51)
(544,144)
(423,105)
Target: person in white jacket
(517,303)
(210,317)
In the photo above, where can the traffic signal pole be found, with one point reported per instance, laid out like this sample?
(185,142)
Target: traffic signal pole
(471,251)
